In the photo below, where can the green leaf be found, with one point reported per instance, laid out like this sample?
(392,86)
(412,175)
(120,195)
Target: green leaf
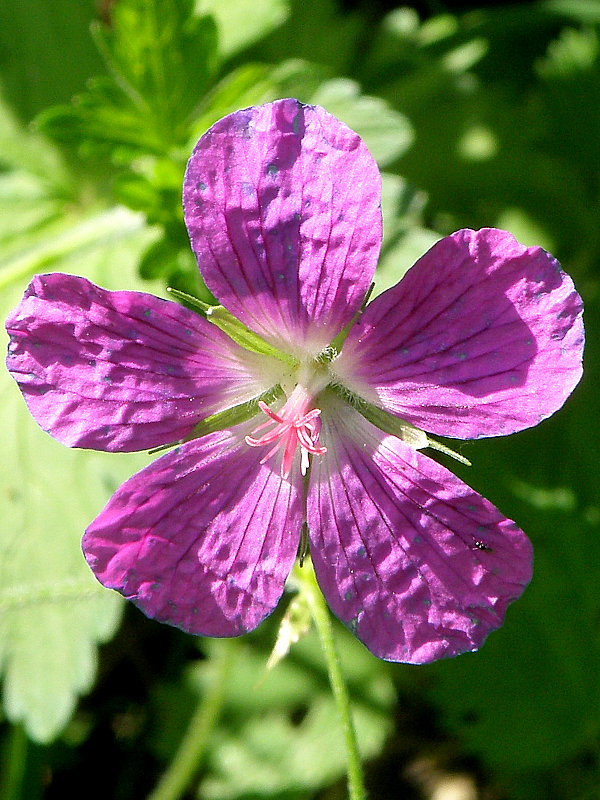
(161,59)
(399,254)
(386,132)
(405,239)
(46,53)
(32,154)
(280,734)
(295,624)
(52,610)
(239,29)
(530,699)
(320,33)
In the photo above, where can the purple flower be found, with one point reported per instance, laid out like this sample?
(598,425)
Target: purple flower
(482,337)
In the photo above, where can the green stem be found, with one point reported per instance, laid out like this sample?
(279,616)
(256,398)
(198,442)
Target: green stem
(322,619)
(187,760)
(14,763)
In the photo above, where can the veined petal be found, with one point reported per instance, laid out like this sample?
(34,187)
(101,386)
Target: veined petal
(123,370)
(282,207)
(203,538)
(418,565)
(482,337)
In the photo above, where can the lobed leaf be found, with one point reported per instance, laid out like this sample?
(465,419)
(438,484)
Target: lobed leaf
(52,611)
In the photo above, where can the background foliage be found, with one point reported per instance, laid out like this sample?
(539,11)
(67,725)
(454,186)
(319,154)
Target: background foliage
(487,116)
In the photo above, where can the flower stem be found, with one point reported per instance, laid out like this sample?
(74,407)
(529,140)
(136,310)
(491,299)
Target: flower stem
(14,763)
(188,758)
(322,619)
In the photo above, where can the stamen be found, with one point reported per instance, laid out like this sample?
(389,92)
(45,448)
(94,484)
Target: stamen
(293,426)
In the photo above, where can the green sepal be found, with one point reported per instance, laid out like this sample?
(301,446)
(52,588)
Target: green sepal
(235,329)
(388,423)
(226,419)
(234,415)
(338,342)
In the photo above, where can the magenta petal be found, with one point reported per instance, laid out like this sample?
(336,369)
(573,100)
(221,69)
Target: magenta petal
(203,538)
(482,337)
(120,370)
(282,207)
(417,564)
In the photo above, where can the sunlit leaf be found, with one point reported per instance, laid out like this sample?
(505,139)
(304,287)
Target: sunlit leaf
(52,610)
(387,133)
(161,58)
(237,28)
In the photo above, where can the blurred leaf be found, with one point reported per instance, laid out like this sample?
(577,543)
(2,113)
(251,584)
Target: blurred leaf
(571,54)
(405,238)
(399,256)
(570,90)
(295,624)
(317,32)
(387,133)
(582,10)
(46,53)
(52,610)
(237,28)
(280,734)
(161,59)
(155,189)
(529,699)
(489,135)
(252,84)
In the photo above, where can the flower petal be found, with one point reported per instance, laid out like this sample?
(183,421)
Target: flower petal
(122,370)
(413,561)
(482,337)
(203,538)
(282,207)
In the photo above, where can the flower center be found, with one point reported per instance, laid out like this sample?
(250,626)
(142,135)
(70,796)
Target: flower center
(296,424)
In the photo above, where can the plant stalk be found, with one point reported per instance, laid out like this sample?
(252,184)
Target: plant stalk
(188,758)
(322,619)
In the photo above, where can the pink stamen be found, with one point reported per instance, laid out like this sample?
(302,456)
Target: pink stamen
(292,426)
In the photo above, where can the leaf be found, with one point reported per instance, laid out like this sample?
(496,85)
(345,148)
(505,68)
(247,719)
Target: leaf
(45,51)
(52,610)
(387,133)
(529,700)
(161,58)
(280,734)
(237,28)
(492,134)
(294,625)
(319,32)
(400,254)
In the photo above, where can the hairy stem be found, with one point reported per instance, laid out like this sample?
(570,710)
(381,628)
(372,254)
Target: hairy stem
(322,619)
